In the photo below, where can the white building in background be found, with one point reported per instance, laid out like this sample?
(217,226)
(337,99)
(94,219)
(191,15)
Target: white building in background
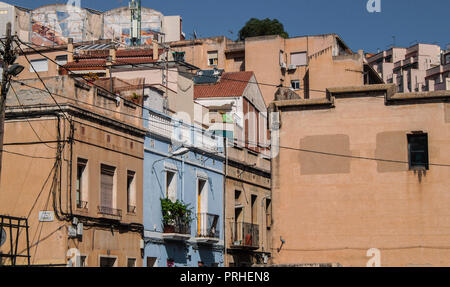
(19,18)
(438,77)
(406,67)
(54,24)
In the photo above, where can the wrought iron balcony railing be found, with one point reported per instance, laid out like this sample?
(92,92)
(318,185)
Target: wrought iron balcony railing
(178,227)
(208,225)
(245,235)
(105,210)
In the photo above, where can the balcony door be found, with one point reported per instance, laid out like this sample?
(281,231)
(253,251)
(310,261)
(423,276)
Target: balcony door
(202,208)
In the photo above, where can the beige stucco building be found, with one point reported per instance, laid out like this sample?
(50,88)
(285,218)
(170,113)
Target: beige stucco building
(365,167)
(248,209)
(306,64)
(81,161)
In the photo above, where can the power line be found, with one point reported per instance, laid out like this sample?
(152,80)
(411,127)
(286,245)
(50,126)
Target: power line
(26,155)
(23,109)
(179,72)
(250,142)
(40,79)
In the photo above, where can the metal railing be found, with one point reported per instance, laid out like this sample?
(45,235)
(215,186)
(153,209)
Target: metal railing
(105,210)
(179,227)
(208,225)
(245,235)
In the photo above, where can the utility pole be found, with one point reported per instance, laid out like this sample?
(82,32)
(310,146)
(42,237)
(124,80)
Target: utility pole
(9,69)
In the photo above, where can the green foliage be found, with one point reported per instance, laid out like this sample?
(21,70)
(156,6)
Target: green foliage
(175,212)
(256,27)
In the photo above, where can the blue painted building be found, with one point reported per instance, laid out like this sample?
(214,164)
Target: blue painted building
(189,170)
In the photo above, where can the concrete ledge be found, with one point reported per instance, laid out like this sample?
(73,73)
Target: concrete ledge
(388,90)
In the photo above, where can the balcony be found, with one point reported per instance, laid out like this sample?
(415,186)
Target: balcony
(208,232)
(178,231)
(245,236)
(108,212)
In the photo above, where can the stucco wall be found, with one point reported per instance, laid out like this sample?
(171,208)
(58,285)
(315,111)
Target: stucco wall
(333,209)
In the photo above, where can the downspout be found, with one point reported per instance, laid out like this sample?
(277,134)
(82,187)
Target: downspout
(224,204)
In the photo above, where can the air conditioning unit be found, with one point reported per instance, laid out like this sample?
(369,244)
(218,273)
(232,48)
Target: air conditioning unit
(292,67)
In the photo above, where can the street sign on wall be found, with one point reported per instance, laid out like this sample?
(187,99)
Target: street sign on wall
(46,216)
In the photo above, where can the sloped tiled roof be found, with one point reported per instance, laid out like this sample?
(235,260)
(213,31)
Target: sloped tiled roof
(229,85)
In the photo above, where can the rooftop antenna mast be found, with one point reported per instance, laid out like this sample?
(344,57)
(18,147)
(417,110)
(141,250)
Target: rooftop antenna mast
(136,22)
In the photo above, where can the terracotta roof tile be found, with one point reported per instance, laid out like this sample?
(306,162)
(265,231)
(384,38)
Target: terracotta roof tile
(101,63)
(229,85)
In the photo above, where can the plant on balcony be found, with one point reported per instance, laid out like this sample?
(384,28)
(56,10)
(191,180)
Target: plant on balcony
(135,98)
(175,215)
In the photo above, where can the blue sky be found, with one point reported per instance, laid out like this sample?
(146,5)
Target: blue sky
(408,20)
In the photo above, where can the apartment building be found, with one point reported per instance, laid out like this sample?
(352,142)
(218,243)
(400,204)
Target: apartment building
(184,169)
(438,77)
(73,165)
(237,111)
(360,179)
(407,67)
(54,24)
(307,64)
(236,107)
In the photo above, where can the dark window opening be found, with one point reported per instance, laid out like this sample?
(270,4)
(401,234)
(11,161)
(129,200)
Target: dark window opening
(418,151)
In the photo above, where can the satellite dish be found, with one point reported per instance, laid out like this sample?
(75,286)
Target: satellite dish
(2,237)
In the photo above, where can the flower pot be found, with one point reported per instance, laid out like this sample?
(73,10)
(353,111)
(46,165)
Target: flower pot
(169,228)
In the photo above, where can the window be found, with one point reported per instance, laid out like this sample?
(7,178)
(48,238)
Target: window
(82,183)
(107,186)
(268,213)
(107,262)
(298,59)
(418,150)
(83,261)
(171,186)
(447,59)
(131,192)
(295,84)
(281,58)
(131,262)
(151,262)
(254,209)
(40,65)
(202,202)
(213,58)
(61,60)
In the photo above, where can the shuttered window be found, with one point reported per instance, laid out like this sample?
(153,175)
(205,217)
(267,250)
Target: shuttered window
(39,65)
(298,59)
(107,186)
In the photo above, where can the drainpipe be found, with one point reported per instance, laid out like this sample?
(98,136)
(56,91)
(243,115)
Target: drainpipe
(224,200)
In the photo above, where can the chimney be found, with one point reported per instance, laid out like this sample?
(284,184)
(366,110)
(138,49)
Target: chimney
(70,50)
(155,51)
(112,53)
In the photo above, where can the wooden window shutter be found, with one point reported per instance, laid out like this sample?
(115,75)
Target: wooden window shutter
(107,184)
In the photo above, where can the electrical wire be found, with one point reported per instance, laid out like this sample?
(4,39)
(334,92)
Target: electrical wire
(40,79)
(23,109)
(171,125)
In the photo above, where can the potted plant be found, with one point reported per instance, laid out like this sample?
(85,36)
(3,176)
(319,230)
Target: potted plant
(135,98)
(176,215)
